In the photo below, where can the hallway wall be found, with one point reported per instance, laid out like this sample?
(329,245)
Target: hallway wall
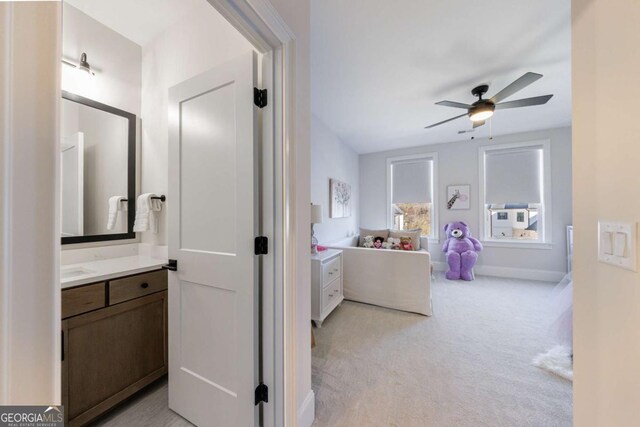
(606,186)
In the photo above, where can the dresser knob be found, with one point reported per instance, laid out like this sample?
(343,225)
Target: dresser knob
(144,285)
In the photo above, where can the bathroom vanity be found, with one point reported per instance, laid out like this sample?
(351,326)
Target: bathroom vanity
(114,333)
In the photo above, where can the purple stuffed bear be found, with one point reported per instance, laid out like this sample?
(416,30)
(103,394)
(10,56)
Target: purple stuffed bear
(461,250)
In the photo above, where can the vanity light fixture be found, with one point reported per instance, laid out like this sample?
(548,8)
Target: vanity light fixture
(83,65)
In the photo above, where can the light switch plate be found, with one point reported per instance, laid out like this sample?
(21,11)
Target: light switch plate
(617,244)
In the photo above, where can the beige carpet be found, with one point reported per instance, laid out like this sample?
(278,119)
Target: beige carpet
(468,365)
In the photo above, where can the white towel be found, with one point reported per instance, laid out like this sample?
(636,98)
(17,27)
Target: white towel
(146,213)
(116,204)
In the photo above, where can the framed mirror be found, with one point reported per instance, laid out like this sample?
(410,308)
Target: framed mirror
(98,165)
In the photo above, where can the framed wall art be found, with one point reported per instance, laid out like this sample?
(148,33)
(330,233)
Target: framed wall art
(458,197)
(340,194)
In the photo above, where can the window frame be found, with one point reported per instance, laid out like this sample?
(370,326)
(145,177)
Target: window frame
(434,237)
(545,236)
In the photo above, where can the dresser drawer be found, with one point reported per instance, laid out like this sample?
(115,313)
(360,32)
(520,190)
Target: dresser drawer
(128,288)
(83,299)
(331,271)
(330,293)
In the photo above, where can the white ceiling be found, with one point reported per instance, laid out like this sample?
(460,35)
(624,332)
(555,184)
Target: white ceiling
(378,67)
(141,20)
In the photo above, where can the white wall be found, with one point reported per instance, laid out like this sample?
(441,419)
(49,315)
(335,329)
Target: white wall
(332,158)
(197,43)
(606,184)
(117,61)
(458,164)
(29,203)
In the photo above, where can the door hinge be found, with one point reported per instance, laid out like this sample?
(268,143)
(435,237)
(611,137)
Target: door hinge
(260,97)
(261,245)
(262,393)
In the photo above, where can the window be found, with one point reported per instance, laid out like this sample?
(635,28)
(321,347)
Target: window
(514,199)
(411,194)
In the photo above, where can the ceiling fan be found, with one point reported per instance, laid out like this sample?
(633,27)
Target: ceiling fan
(483,109)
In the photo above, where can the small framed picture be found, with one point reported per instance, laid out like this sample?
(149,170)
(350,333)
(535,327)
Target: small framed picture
(458,196)
(340,193)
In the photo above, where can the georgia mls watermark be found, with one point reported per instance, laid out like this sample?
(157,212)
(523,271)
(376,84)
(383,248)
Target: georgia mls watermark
(31,416)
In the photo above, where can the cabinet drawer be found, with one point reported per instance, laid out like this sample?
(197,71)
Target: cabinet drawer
(331,271)
(330,293)
(128,288)
(83,299)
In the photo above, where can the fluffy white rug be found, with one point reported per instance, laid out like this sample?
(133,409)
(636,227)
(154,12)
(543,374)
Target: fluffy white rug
(557,361)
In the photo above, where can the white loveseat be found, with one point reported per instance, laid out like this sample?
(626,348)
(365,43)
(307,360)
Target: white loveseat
(388,278)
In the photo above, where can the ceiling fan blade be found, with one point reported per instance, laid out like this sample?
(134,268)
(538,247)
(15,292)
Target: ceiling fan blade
(526,102)
(478,124)
(516,86)
(454,104)
(445,121)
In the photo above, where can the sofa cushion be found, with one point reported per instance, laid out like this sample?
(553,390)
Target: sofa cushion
(375,233)
(414,235)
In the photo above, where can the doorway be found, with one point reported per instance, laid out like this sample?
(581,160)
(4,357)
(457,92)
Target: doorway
(181,46)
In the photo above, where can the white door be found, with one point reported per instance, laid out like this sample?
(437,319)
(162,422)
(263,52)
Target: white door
(212,226)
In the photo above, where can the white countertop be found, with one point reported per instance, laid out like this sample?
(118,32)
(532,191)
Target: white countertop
(97,271)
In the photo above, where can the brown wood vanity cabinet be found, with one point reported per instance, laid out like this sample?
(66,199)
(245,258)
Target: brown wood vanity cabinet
(114,342)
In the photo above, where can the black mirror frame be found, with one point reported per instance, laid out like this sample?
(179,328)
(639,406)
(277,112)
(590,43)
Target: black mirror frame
(131,172)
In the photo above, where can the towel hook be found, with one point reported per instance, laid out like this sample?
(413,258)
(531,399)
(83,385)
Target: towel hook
(161,198)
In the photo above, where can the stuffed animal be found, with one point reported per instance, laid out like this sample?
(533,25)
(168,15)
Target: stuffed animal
(368,242)
(393,243)
(377,242)
(462,251)
(405,244)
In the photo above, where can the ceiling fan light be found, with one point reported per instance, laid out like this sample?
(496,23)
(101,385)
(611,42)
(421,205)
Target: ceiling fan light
(480,116)
(481,113)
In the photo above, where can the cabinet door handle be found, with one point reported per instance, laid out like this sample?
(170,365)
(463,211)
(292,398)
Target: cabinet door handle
(144,285)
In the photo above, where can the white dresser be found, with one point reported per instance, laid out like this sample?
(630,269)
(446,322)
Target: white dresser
(326,284)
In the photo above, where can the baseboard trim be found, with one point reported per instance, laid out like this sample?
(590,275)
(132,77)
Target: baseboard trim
(307,411)
(510,272)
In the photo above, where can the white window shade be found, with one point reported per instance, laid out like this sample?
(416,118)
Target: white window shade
(412,181)
(513,176)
